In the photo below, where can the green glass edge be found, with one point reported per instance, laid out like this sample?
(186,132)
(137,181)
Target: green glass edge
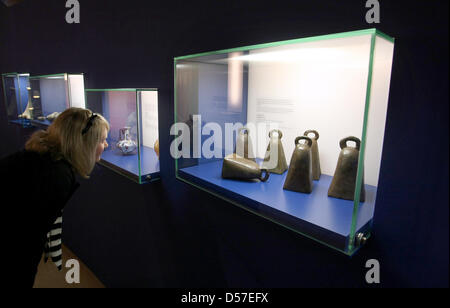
(362,149)
(4,93)
(385,36)
(13,74)
(54,75)
(124,89)
(175,109)
(85,100)
(51,75)
(146,89)
(19,99)
(287,42)
(69,93)
(138,136)
(104,90)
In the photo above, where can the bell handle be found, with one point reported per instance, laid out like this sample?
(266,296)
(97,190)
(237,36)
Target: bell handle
(343,142)
(244,129)
(280,134)
(308,140)
(266,176)
(311,131)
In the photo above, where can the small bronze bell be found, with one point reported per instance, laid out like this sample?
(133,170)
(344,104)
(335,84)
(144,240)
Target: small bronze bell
(299,177)
(315,154)
(344,179)
(244,145)
(276,152)
(239,168)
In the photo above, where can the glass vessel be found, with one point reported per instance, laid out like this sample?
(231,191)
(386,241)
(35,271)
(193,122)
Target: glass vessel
(50,95)
(336,85)
(133,118)
(15,90)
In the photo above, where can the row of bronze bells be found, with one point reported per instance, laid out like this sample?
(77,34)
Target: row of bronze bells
(304,168)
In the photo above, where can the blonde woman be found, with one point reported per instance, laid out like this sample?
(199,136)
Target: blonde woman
(41,179)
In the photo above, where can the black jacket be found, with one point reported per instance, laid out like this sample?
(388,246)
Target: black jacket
(37,189)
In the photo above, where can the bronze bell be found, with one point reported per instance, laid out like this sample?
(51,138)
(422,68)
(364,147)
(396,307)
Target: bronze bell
(315,154)
(239,168)
(299,177)
(275,148)
(344,179)
(244,145)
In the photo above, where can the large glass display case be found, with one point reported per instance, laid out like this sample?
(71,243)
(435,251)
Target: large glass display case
(50,95)
(15,90)
(291,131)
(133,138)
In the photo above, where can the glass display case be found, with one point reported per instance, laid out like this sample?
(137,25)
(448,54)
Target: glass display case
(133,138)
(15,90)
(291,131)
(50,95)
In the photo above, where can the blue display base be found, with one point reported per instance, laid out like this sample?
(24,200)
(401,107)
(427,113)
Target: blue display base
(315,215)
(22,122)
(43,124)
(128,164)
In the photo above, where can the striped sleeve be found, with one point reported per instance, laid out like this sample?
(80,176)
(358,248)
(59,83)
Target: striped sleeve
(53,247)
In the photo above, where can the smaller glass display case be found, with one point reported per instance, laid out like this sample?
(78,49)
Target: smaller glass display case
(50,95)
(15,90)
(133,138)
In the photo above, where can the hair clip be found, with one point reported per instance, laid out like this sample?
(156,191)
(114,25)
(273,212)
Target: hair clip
(88,124)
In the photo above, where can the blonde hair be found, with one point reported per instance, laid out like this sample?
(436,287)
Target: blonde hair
(64,139)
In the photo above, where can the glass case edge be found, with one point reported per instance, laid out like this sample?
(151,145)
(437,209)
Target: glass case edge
(385,36)
(138,102)
(4,96)
(50,75)
(360,172)
(147,89)
(285,42)
(122,89)
(175,110)
(69,91)
(104,90)
(12,73)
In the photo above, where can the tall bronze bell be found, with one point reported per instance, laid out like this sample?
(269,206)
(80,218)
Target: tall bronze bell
(344,179)
(275,147)
(244,145)
(239,168)
(299,177)
(315,154)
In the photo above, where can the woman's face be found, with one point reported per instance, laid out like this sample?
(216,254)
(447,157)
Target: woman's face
(102,145)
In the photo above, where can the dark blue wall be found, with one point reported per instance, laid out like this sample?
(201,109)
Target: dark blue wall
(171,234)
